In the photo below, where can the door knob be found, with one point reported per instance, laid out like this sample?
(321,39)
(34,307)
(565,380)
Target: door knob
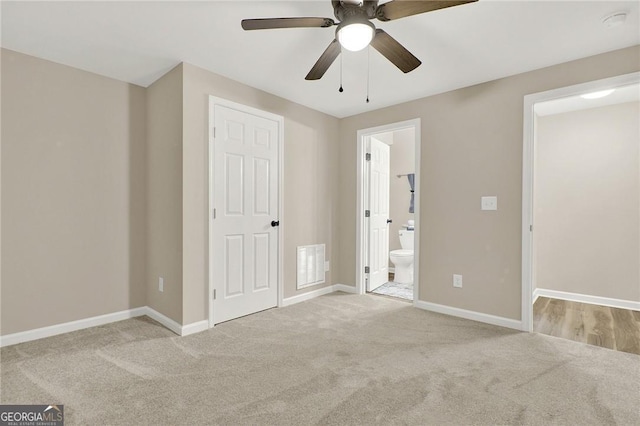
(389,220)
(275,223)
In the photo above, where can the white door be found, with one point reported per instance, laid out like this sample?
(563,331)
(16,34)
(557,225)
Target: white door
(379,213)
(245,198)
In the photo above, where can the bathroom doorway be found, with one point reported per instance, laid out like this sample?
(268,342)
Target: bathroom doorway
(387,230)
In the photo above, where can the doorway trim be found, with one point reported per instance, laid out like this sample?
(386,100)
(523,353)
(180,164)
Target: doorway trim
(213,101)
(528,169)
(362,136)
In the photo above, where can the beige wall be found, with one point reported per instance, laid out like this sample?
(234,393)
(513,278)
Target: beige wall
(83,195)
(164,195)
(310,182)
(587,189)
(471,146)
(1,56)
(403,158)
(96,209)
(73,194)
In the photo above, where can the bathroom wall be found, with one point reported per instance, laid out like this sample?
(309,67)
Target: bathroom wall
(402,162)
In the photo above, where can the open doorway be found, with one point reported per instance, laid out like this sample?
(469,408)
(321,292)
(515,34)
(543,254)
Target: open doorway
(388,209)
(581,203)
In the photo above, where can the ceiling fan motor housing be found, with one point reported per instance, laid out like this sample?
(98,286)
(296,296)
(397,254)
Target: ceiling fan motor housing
(354,12)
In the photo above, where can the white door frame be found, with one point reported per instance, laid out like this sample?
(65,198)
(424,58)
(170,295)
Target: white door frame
(362,136)
(528,168)
(213,101)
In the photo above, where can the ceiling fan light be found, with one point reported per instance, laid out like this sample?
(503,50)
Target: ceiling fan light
(356,36)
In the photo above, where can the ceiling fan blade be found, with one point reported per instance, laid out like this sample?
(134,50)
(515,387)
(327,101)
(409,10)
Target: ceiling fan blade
(396,9)
(394,51)
(272,23)
(324,62)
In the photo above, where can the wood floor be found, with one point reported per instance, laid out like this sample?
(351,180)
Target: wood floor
(612,328)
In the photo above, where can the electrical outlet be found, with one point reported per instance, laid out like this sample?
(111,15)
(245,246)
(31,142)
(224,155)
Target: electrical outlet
(489,203)
(457,281)
(160,284)
(326,266)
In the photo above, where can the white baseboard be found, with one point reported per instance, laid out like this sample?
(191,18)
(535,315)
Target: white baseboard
(307,296)
(180,330)
(195,327)
(164,320)
(535,295)
(470,315)
(67,327)
(585,298)
(344,288)
(317,293)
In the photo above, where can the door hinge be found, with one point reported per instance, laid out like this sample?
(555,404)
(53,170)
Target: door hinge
(367,213)
(367,156)
(214,132)
(366,269)
(214,213)
(214,294)
(530,228)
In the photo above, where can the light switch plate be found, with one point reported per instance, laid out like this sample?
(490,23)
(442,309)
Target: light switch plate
(489,203)
(457,280)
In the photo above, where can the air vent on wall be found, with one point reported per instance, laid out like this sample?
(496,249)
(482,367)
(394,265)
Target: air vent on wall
(310,266)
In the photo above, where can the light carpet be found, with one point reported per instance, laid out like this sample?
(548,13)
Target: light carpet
(337,359)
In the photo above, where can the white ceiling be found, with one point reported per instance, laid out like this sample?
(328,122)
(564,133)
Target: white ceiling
(621,95)
(460,46)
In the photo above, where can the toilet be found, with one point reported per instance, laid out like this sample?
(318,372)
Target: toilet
(402,259)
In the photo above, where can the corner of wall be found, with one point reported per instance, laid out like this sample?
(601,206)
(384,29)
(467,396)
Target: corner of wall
(164,194)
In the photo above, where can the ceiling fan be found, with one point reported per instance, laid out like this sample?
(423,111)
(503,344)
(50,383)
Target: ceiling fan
(355,31)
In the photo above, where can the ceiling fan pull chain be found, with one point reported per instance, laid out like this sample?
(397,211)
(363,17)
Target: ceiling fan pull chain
(368,70)
(341,89)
